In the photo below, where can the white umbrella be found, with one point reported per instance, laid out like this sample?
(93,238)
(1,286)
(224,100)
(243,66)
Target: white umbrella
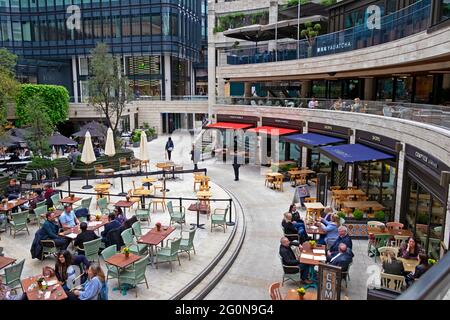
(143,149)
(88,155)
(110,149)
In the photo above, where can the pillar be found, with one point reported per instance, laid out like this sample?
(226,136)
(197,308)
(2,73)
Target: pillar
(369,89)
(220,87)
(167,77)
(273,18)
(446,81)
(447,222)
(400,173)
(247,89)
(304,159)
(351,167)
(305,89)
(75,79)
(211,60)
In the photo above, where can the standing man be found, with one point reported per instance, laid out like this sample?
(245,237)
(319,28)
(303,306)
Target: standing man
(236,163)
(169,148)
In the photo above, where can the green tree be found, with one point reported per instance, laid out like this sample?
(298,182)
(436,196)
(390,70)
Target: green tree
(40,127)
(8,83)
(310,33)
(109,90)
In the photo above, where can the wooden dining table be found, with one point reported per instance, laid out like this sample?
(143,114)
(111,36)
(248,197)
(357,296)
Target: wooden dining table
(93,225)
(53,292)
(392,232)
(70,200)
(301,172)
(154,237)
(409,264)
(120,261)
(363,204)
(357,192)
(5,261)
(12,204)
(293,295)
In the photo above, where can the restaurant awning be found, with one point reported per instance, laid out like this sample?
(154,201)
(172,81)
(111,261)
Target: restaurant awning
(353,153)
(312,140)
(58,139)
(273,131)
(229,126)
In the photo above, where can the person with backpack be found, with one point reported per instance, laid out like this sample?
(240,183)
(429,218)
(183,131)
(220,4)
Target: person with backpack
(169,148)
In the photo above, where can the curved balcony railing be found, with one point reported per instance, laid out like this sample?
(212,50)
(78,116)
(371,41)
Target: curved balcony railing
(430,114)
(403,23)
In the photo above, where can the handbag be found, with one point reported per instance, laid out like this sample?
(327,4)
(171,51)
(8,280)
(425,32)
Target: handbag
(48,271)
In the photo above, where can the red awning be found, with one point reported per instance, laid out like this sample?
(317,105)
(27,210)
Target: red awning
(273,131)
(229,125)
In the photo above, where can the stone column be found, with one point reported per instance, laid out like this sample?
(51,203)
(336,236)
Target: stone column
(304,159)
(369,89)
(400,173)
(273,17)
(446,81)
(447,223)
(211,60)
(305,89)
(75,79)
(351,167)
(167,77)
(247,89)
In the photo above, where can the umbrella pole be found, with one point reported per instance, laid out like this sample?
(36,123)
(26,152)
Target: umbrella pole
(87,186)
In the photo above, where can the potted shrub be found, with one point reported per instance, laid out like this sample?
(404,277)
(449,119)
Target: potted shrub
(358,214)
(136,138)
(380,216)
(151,134)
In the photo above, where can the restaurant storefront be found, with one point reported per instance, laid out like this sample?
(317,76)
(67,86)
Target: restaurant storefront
(425,200)
(266,139)
(320,163)
(378,179)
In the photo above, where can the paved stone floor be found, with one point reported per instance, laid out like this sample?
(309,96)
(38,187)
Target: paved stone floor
(257,265)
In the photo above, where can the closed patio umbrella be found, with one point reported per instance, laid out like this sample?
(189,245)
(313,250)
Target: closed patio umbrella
(57,139)
(110,149)
(87,156)
(143,148)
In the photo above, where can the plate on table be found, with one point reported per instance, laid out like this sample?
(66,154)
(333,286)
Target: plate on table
(52,282)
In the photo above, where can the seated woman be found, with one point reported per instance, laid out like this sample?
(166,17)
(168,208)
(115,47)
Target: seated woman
(328,213)
(64,270)
(410,249)
(295,214)
(330,228)
(420,269)
(291,227)
(393,266)
(94,287)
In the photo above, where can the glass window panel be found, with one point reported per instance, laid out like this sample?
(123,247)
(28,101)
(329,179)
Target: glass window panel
(424,89)
(165,24)
(146,25)
(436,229)
(422,217)
(6,30)
(97,24)
(445,10)
(24,3)
(84,67)
(106,27)
(26,29)
(116,27)
(174,25)
(17,31)
(295,152)
(126,29)
(136,25)
(412,203)
(156,24)
(403,92)
(384,89)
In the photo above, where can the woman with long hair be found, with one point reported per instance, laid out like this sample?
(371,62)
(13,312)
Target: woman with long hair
(64,270)
(393,266)
(94,287)
(411,249)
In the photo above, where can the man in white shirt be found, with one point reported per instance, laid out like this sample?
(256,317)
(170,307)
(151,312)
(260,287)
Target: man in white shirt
(312,104)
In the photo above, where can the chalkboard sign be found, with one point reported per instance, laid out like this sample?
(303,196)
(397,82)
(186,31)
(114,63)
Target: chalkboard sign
(329,282)
(302,191)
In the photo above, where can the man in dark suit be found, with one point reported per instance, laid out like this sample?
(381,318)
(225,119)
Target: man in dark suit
(50,232)
(289,259)
(236,162)
(343,238)
(342,258)
(85,236)
(111,225)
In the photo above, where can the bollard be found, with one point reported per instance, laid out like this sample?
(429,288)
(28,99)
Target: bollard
(123,194)
(230,223)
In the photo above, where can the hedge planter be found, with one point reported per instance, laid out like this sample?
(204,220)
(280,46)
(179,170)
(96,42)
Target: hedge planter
(357,229)
(107,162)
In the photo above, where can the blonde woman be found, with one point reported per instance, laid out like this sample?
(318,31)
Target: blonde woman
(330,228)
(393,266)
(94,287)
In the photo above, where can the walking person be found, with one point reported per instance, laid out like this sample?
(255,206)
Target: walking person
(169,148)
(195,155)
(236,163)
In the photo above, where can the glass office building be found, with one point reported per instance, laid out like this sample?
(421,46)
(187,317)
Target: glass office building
(158,40)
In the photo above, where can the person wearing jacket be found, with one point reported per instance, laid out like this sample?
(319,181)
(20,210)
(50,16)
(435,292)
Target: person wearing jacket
(330,228)
(50,232)
(343,238)
(342,258)
(111,225)
(195,156)
(93,287)
(294,227)
(84,236)
(289,259)
(169,148)
(393,266)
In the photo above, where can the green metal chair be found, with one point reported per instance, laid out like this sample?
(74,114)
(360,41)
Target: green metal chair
(143,214)
(56,199)
(111,270)
(11,277)
(295,276)
(91,249)
(48,248)
(135,275)
(18,222)
(187,244)
(39,213)
(130,242)
(41,204)
(137,230)
(176,216)
(85,203)
(378,241)
(103,206)
(169,254)
(219,219)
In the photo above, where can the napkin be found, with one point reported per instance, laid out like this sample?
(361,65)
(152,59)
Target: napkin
(47,295)
(319,251)
(72,235)
(320,258)
(306,256)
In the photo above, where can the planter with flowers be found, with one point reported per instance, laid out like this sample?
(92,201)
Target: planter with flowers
(301,293)
(431,262)
(98,216)
(126,252)
(42,285)
(313,244)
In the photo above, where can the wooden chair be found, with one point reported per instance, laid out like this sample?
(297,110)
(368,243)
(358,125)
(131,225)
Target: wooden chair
(144,163)
(362,198)
(157,201)
(274,291)
(309,200)
(398,241)
(394,225)
(392,282)
(278,183)
(384,250)
(97,169)
(375,224)
(300,179)
(134,199)
(197,180)
(334,188)
(124,164)
(268,182)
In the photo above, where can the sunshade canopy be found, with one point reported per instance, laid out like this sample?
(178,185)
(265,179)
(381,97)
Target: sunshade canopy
(353,153)
(88,155)
(229,125)
(58,139)
(312,140)
(110,149)
(273,131)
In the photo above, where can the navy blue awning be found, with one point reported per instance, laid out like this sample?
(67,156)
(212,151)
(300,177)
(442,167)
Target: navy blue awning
(311,140)
(353,153)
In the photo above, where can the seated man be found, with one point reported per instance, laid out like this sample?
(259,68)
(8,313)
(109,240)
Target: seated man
(48,191)
(342,258)
(343,238)
(289,259)
(68,218)
(50,232)
(12,191)
(85,236)
(111,225)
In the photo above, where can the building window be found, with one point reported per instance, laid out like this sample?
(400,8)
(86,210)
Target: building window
(156,24)
(444,13)
(404,88)
(424,89)
(385,89)
(84,67)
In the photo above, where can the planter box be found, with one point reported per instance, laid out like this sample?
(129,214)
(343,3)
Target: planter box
(136,144)
(357,229)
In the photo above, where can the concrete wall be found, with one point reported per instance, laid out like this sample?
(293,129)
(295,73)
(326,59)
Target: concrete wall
(419,47)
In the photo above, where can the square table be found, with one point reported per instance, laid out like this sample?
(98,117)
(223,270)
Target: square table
(409,264)
(142,193)
(70,200)
(10,205)
(293,295)
(198,207)
(311,258)
(314,205)
(5,261)
(357,192)
(121,262)
(392,232)
(124,205)
(29,286)
(314,231)
(154,237)
(93,225)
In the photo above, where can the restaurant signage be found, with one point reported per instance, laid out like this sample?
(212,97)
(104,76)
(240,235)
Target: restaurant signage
(376,140)
(329,282)
(425,159)
(282,123)
(328,129)
(237,118)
